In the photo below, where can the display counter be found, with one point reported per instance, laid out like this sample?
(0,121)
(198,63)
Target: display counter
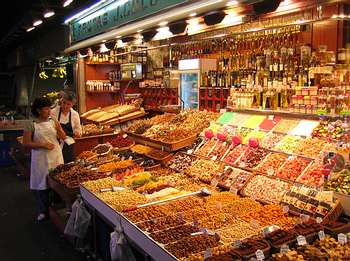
(115,218)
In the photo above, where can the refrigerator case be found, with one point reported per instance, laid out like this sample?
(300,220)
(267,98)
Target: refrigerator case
(190,75)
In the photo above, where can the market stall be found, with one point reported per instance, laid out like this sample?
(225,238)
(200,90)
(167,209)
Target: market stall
(257,163)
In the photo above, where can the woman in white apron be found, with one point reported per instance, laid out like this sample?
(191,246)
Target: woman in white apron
(41,135)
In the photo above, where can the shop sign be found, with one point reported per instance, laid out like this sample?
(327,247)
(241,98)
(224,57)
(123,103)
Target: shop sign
(116,14)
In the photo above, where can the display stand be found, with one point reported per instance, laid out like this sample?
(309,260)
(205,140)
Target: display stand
(144,242)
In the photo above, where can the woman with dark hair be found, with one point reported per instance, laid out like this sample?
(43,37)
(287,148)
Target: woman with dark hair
(41,135)
(70,123)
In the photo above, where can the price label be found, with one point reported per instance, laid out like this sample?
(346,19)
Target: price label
(270,172)
(217,236)
(234,190)
(301,240)
(125,135)
(259,255)
(189,151)
(342,239)
(237,243)
(304,218)
(319,220)
(207,253)
(195,222)
(254,223)
(284,249)
(285,209)
(321,235)
(214,158)
(180,217)
(214,182)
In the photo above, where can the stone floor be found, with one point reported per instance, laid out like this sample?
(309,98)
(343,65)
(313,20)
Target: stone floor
(21,237)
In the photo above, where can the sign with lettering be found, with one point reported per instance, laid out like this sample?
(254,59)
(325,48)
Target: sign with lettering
(116,14)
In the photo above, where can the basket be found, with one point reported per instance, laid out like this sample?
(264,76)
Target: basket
(345,228)
(334,214)
(116,150)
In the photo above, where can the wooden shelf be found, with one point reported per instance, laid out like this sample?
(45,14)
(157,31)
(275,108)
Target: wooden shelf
(92,92)
(283,113)
(103,63)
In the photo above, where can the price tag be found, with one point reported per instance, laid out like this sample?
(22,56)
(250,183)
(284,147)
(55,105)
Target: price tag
(195,222)
(204,231)
(189,151)
(270,172)
(285,209)
(304,218)
(342,239)
(254,223)
(233,190)
(242,165)
(237,243)
(125,135)
(217,236)
(301,240)
(214,158)
(259,254)
(284,249)
(214,182)
(321,235)
(319,220)
(207,253)
(180,217)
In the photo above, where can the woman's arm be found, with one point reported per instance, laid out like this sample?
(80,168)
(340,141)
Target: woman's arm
(28,142)
(60,132)
(76,125)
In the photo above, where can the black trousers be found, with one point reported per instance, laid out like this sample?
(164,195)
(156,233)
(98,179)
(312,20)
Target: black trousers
(43,200)
(68,153)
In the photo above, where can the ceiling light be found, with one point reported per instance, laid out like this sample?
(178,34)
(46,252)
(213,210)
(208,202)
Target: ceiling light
(67,3)
(192,14)
(232,3)
(49,13)
(37,22)
(118,36)
(103,48)
(30,29)
(103,41)
(163,23)
(139,31)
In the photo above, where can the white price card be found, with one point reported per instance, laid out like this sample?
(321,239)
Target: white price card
(270,172)
(234,190)
(259,255)
(214,182)
(285,209)
(304,218)
(284,249)
(342,239)
(214,158)
(125,135)
(207,253)
(237,243)
(254,223)
(301,240)
(321,235)
(319,220)
(189,151)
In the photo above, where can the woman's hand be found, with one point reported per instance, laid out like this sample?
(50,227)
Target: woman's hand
(48,146)
(60,132)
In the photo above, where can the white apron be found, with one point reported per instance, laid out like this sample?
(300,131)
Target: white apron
(42,159)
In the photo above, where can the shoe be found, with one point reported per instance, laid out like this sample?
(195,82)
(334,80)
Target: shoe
(41,217)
